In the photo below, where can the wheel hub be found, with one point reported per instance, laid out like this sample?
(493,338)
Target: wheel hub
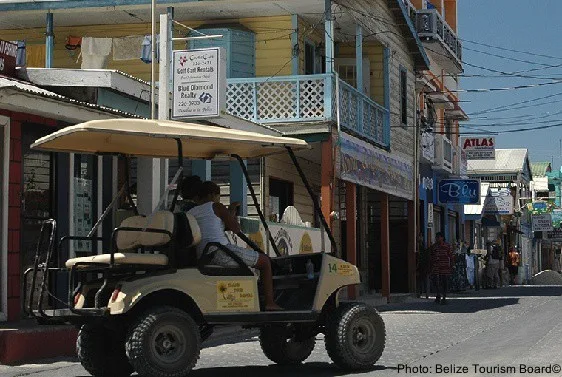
(168,344)
(363,336)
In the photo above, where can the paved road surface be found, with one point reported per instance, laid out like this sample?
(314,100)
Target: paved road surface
(499,330)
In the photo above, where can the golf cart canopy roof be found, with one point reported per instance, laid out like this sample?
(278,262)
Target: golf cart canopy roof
(157,138)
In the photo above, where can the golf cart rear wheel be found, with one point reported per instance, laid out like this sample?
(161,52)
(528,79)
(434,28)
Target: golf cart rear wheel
(102,352)
(355,336)
(281,345)
(165,342)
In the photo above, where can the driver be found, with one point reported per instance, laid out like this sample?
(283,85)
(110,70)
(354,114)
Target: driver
(214,218)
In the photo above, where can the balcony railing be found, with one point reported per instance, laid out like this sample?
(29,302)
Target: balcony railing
(443,153)
(430,24)
(448,153)
(363,116)
(309,98)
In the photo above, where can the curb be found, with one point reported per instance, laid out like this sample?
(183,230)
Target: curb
(17,345)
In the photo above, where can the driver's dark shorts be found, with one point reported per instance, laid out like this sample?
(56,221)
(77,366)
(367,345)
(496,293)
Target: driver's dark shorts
(250,257)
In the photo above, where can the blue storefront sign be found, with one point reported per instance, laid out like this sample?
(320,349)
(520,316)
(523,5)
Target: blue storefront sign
(460,191)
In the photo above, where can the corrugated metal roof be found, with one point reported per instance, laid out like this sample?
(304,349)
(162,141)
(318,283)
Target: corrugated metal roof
(539,168)
(11,83)
(507,160)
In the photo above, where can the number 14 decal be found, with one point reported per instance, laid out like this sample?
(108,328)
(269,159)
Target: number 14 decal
(332,267)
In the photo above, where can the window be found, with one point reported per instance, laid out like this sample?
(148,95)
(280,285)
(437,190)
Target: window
(449,129)
(404,97)
(280,196)
(309,59)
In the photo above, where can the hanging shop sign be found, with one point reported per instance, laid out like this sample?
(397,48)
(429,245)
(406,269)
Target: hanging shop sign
(479,148)
(199,83)
(427,183)
(553,235)
(498,203)
(542,223)
(460,191)
(556,218)
(365,165)
(430,215)
(8,55)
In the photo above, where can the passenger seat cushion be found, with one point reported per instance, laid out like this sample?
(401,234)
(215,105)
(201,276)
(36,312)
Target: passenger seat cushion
(163,220)
(122,258)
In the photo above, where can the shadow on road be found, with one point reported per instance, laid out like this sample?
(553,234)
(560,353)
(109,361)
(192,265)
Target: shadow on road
(522,291)
(454,305)
(474,301)
(315,369)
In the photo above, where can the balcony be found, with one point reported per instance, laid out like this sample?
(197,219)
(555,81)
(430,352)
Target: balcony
(443,154)
(446,48)
(309,99)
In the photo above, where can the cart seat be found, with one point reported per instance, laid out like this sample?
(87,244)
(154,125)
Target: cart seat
(122,258)
(155,233)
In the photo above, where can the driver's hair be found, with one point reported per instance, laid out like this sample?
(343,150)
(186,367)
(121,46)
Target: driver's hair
(208,188)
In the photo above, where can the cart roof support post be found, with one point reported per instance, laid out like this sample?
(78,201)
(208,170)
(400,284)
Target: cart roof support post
(255,199)
(313,197)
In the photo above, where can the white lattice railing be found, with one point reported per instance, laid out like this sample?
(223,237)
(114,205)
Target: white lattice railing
(363,116)
(282,99)
(308,98)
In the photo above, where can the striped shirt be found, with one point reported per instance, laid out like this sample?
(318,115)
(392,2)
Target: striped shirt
(441,259)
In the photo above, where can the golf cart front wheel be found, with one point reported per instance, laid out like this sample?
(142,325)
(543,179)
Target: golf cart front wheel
(281,345)
(165,342)
(355,336)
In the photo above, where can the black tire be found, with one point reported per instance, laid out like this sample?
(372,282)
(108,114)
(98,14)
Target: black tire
(355,336)
(280,346)
(102,352)
(165,342)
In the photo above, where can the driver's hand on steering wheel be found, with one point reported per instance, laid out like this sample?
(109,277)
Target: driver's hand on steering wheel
(232,207)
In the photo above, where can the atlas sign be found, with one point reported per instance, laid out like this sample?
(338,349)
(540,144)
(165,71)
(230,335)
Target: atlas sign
(479,148)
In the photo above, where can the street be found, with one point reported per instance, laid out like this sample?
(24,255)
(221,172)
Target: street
(489,332)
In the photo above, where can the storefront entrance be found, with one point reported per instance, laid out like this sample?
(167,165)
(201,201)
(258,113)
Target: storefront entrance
(38,190)
(4,185)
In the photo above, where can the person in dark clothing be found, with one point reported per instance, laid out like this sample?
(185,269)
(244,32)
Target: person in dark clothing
(190,187)
(441,267)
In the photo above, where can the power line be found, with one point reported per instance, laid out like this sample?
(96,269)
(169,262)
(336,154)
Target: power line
(511,50)
(510,58)
(509,106)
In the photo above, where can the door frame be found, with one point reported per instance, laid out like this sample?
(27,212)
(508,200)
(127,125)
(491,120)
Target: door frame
(5,124)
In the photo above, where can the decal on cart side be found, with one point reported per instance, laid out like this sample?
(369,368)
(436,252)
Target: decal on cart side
(235,294)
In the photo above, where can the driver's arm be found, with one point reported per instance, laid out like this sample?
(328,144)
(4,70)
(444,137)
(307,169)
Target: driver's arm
(227,217)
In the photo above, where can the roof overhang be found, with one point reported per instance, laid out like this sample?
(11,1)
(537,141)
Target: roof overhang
(421,61)
(17,100)
(99,78)
(456,113)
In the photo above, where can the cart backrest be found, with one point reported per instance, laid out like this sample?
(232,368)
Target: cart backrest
(158,230)
(131,239)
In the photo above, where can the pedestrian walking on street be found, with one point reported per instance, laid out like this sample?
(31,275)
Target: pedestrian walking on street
(441,267)
(492,266)
(513,264)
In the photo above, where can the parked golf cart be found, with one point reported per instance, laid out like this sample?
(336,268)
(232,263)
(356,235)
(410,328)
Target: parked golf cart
(146,304)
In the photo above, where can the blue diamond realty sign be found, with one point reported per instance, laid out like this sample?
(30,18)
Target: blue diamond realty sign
(460,191)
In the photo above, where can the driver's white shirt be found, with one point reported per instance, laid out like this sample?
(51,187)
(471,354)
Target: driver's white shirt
(212,227)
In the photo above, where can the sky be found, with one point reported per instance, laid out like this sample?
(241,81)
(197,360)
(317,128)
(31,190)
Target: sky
(530,26)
